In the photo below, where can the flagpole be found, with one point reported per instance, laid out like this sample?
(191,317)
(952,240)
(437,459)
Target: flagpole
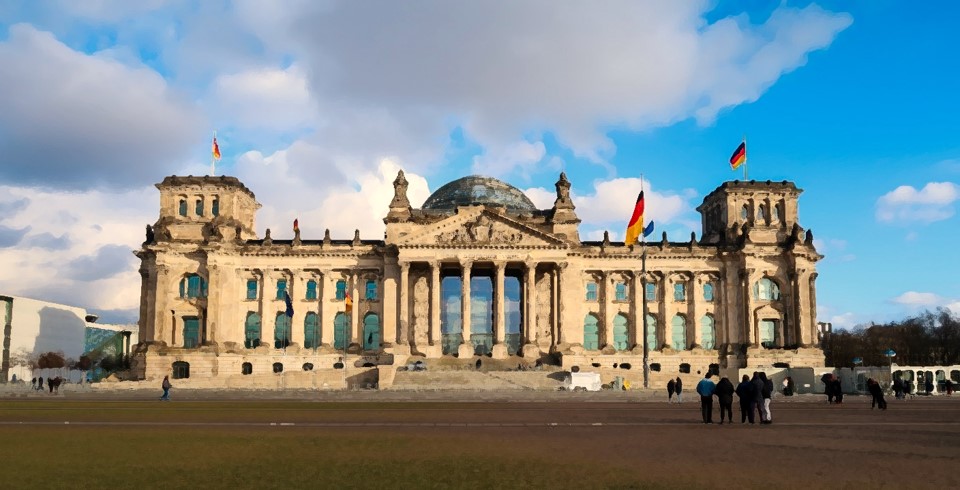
(213,159)
(643,293)
(745,157)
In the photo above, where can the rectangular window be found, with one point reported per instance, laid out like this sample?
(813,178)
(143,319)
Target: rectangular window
(679,292)
(215,207)
(191,332)
(708,292)
(251,289)
(281,289)
(183,207)
(371,292)
(193,286)
(341,290)
(591,291)
(621,291)
(199,207)
(651,291)
(311,289)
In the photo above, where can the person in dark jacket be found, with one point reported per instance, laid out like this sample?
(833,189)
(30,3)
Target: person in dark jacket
(747,400)
(671,388)
(767,393)
(724,392)
(706,389)
(827,379)
(758,395)
(877,392)
(679,387)
(837,391)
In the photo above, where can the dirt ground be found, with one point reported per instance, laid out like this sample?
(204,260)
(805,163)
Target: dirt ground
(578,443)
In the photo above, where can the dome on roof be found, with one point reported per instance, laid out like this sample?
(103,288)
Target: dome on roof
(477,189)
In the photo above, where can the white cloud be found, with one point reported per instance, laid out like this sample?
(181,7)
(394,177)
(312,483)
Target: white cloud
(520,155)
(907,205)
(918,299)
(76,121)
(844,320)
(264,98)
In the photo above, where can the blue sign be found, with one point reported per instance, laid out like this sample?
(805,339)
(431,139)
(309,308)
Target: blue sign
(858,360)
(890,353)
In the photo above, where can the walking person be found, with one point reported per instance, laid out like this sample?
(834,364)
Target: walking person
(166,388)
(837,391)
(724,392)
(705,389)
(757,384)
(767,394)
(671,388)
(745,394)
(898,388)
(40,383)
(877,391)
(679,388)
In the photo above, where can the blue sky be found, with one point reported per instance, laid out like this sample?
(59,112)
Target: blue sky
(318,104)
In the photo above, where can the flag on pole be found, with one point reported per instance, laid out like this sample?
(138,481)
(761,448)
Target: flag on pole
(289,302)
(296,225)
(739,156)
(648,230)
(216,148)
(348,301)
(635,226)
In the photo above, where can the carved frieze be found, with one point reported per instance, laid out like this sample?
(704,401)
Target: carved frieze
(481,230)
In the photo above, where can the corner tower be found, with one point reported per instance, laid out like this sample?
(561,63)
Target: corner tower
(201,208)
(766,212)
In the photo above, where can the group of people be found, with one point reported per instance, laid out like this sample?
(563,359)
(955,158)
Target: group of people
(832,388)
(53,384)
(754,394)
(675,386)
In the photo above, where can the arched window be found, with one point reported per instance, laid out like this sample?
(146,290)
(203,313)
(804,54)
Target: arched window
(591,333)
(621,291)
(340,334)
(775,210)
(278,367)
(252,330)
(679,333)
(651,291)
(761,213)
(246,368)
(341,290)
(621,333)
(311,331)
(193,286)
(652,333)
(707,332)
(766,290)
(744,212)
(308,366)
(181,370)
(182,208)
(215,207)
(708,292)
(371,332)
(281,331)
(370,293)
(311,290)
(199,208)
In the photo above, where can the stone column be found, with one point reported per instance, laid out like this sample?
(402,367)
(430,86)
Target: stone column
(530,300)
(746,307)
(562,335)
(500,324)
(465,301)
(555,305)
(355,314)
(166,288)
(638,317)
(433,329)
(300,309)
(404,323)
(327,310)
(809,334)
(608,310)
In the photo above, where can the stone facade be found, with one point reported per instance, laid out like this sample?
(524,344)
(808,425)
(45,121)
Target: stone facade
(214,295)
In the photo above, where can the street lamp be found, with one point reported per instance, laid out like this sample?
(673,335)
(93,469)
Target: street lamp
(890,353)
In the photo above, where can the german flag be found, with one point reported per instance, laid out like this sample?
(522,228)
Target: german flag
(635,226)
(739,156)
(216,148)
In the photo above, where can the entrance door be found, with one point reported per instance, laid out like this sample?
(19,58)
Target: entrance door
(191,332)
(371,332)
(768,332)
(340,326)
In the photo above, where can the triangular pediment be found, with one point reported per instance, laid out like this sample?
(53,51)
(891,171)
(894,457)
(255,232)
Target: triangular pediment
(479,228)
